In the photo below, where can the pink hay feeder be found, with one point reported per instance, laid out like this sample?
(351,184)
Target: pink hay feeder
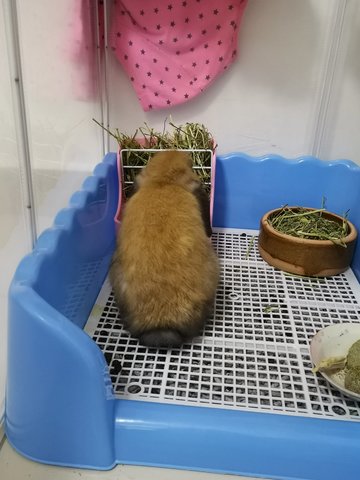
(120,167)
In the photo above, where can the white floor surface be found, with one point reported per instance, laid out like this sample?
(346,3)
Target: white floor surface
(15,467)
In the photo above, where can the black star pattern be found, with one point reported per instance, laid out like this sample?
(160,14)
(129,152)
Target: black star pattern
(113,49)
(233,24)
(177,52)
(207,62)
(156,94)
(126,57)
(173,89)
(184,4)
(118,34)
(148,74)
(156,10)
(219,42)
(189,35)
(234,53)
(203,32)
(142,12)
(122,12)
(132,79)
(186,95)
(154,60)
(142,52)
(150,106)
(161,82)
(207,77)
(194,64)
(161,42)
(170,7)
(218,27)
(158,27)
(231,7)
(192,49)
(191,82)
(206,45)
(168,102)
(186,20)
(179,76)
(130,43)
(221,59)
(143,86)
(201,16)
(166,69)
(216,12)
(137,65)
(172,24)
(175,39)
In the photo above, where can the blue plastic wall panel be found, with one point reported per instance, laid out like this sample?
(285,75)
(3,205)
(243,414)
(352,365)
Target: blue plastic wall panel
(247,187)
(242,443)
(59,405)
(84,234)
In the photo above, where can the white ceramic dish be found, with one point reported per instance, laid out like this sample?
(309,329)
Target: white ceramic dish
(335,341)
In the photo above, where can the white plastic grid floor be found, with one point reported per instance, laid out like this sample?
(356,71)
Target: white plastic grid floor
(253,354)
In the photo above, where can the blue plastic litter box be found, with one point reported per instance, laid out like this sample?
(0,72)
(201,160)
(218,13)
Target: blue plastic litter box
(241,399)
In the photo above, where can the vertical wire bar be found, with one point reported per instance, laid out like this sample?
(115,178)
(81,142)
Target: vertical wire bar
(102,65)
(327,89)
(19,107)
(94,5)
(106,76)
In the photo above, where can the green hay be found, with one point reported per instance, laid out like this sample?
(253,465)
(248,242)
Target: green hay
(271,308)
(182,137)
(310,224)
(251,244)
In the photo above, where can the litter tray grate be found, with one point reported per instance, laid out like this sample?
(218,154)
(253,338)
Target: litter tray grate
(253,354)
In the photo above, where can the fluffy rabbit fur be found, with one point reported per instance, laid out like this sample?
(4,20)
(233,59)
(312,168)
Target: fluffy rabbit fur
(164,271)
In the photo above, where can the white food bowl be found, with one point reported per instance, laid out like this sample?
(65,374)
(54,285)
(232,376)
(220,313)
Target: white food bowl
(335,341)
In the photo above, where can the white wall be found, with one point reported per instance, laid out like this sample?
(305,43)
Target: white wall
(271,99)
(61,92)
(341,132)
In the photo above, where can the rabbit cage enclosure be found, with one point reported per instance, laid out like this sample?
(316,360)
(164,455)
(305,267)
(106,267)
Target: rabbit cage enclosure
(242,397)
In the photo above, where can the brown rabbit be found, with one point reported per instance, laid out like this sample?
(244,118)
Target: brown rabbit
(164,271)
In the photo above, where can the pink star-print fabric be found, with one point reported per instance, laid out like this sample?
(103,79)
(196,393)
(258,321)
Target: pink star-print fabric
(173,49)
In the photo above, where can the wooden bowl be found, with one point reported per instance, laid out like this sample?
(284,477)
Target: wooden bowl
(320,258)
